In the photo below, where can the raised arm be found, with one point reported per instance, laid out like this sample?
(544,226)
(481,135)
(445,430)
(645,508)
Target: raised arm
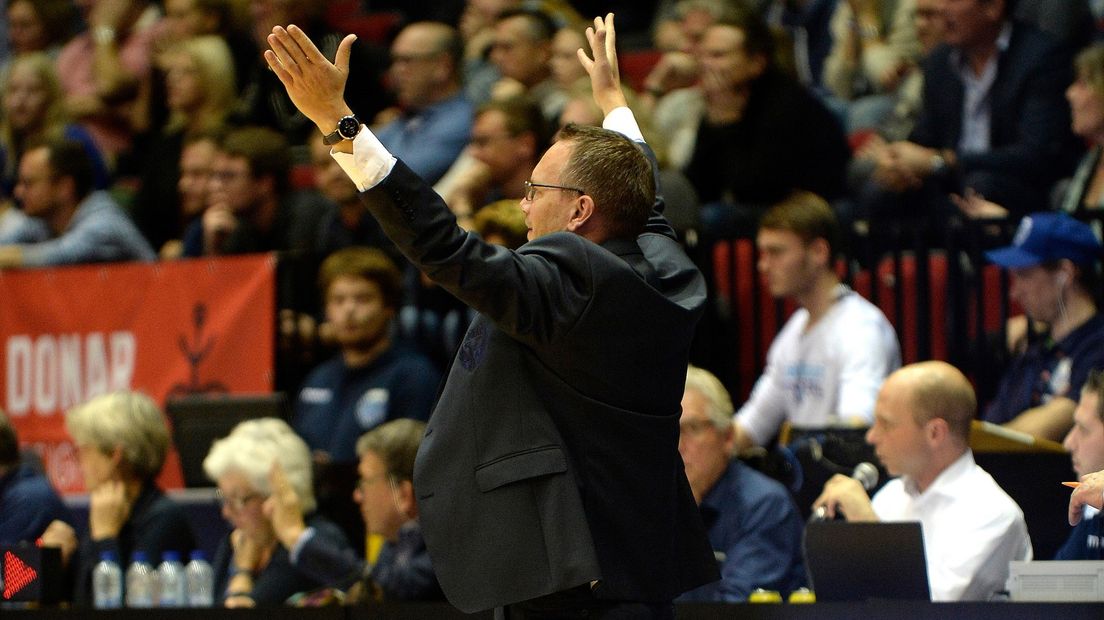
(314,84)
(605,84)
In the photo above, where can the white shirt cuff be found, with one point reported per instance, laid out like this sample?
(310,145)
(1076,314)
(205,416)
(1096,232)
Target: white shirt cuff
(623,122)
(369,163)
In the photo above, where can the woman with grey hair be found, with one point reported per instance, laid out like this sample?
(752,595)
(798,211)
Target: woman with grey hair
(121,440)
(251,567)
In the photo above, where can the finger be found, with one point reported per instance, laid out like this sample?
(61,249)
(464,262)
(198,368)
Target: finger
(585,60)
(344,52)
(611,41)
(281,44)
(277,67)
(302,50)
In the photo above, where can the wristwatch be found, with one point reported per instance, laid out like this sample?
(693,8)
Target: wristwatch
(347,129)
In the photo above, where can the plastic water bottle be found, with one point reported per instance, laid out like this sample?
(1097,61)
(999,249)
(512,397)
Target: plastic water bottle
(107,582)
(201,581)
(170,577)
(141,581)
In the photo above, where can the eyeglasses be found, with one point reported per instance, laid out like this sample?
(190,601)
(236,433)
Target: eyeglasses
(531,189)
(236,502)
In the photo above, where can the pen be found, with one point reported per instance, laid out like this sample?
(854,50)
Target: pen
(1072,485)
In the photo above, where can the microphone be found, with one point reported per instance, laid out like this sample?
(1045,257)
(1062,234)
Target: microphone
(865,473)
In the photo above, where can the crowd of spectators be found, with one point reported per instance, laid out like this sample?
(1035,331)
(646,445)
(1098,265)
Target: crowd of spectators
(143,130)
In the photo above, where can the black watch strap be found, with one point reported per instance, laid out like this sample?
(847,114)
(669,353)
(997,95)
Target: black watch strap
(347,129)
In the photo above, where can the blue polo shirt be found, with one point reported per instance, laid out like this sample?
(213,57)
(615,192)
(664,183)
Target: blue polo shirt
(337,404)
(1049,369)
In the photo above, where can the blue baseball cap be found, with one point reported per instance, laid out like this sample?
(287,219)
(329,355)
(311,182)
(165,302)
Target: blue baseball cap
(1045,237)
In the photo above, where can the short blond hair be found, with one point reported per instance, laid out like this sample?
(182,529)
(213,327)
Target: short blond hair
(127,420)
(250,450)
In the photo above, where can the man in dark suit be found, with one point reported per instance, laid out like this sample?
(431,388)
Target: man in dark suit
(549,481)
(993,117)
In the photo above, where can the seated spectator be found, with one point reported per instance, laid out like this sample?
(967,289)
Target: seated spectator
(121,440)
(753,524)
(349,224)
(38,26)
(508,138)
(33,111)
(106,68)
(85,226)
(993,120)
(199,93)
(252,207)
(972,529)
(762,136)
(874,47)
(1052,262)
(185,19)
(385,492)
(1084,192)
(522,51)
(373,379)
(826,364)
(28,503)
(435,118)
(671,88)
(907,100)
(197,157)
(251,568)
(1085,442)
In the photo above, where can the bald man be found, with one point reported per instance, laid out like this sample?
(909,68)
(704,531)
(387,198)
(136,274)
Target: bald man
(435,118)
(972,528)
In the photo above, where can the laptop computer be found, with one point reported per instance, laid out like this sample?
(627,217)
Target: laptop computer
(866,561)
(198,420)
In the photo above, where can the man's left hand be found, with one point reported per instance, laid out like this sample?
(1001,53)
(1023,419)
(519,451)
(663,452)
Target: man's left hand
(315,85)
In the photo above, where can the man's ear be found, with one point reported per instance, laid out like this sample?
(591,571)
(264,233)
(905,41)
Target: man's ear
(820,249)
(583,213)
(404,494)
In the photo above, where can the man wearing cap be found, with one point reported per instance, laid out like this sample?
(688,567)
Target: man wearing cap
(1051,262)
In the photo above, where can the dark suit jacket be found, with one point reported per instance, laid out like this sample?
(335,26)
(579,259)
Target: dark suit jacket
(1030,137)
(551,458)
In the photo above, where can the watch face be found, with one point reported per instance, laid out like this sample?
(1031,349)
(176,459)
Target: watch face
(348,127)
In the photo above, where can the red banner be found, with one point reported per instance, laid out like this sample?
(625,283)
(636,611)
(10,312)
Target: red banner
(165,329)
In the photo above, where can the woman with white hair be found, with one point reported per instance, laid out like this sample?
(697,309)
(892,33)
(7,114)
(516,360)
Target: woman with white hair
(251,567)
(121,441)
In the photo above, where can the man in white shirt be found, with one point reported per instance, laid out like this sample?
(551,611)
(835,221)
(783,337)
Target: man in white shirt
(972,528)
(825,367)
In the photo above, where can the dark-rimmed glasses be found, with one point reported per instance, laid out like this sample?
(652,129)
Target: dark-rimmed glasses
(531,189)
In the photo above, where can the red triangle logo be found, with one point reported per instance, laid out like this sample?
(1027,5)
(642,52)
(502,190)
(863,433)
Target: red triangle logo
(16,574)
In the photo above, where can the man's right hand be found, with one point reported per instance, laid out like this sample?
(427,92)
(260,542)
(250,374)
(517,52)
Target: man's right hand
(846,496)
(314,84)
(1089,493)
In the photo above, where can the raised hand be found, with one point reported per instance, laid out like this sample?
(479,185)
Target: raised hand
(605,81)
(314,84)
